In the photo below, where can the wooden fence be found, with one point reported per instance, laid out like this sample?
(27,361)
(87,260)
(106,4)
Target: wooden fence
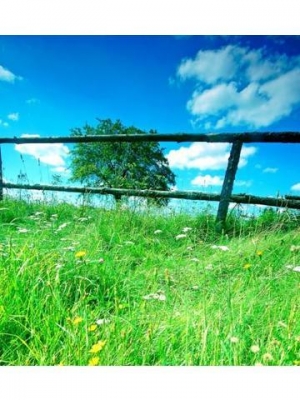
(224,198)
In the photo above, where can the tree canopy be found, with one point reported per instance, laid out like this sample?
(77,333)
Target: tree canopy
(135,165)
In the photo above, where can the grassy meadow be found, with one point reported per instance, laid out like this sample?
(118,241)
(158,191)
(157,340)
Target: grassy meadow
(88,286)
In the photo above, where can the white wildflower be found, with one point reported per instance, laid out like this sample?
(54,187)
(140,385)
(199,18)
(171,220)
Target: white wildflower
(181,236)
(294,248)
(157,232)
(62,226)
(195,259)
(23,230)
(102,321)
(128,242)
(190,248)
(234,339)
(223,248)
(155,296)
(186,229)
(255,348)
(196,287)
(295,268)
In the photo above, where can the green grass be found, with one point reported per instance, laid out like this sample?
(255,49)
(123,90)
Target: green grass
(209,309)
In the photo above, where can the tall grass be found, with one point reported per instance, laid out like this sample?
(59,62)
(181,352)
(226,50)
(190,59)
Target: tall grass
(83,285)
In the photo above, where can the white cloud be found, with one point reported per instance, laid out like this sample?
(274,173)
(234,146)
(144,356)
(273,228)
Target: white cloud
(209,180)
(270,170)
(296,187)
(209,66)
(33,100)
(13,116)
(3,123)
(237,86)
(51,154)
(7,76)
(206,156)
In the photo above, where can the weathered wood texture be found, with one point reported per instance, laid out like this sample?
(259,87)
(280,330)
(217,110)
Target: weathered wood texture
(188,195)
(1,177)
(228,185)
(247,137)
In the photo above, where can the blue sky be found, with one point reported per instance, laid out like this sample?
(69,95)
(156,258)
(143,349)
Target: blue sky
(193,84)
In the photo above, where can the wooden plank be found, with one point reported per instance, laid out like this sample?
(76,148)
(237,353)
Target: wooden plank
(227,187)
(247,137)
(1,177)
(188,195)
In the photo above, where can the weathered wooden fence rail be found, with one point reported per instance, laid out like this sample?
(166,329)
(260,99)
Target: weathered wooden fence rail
(176,194)
(237,140)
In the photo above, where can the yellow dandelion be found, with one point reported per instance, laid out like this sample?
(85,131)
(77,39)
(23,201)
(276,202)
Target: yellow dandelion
(259,253)
(247,266)
(92,328)
(77,320)
(98,346)
(297,363)
(94,361)
(80,254)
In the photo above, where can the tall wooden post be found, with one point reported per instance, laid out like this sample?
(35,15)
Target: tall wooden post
(228,184)
(1,177)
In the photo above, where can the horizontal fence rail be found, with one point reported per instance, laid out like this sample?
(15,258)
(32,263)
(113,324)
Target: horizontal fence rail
(247,137)
(174,194)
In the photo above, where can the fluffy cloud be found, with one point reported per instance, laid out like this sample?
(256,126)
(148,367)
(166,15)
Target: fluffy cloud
(7,76)
(3,123)
(269,170)
(13,116)
(50,154)
(206,156)
(209,180)
(296,187)
(237,86)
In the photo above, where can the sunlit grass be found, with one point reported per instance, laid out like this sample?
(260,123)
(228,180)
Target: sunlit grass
(87,286)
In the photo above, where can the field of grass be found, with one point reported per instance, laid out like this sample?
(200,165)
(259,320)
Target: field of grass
(87,286)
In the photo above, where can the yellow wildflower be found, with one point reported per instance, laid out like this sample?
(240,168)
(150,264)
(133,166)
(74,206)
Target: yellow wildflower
(92,328)
(247,266)
(259,253)
(297,363)
(94,361)
(77,320)
(80,254)
(98,346)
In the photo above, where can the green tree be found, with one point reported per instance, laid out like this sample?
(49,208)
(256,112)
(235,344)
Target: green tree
(136,165)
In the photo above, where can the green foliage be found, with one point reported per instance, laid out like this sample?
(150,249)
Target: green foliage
(73,277)
(136,165)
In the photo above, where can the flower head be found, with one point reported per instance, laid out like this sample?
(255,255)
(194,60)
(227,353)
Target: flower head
(98,346)
(92,328)
(77,320)
(247,266)
(80,254)
(94,361)
(181,236)
(254,348)
(259,253)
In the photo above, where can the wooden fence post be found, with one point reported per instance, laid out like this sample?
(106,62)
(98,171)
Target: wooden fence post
(1,177)
(228,184)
